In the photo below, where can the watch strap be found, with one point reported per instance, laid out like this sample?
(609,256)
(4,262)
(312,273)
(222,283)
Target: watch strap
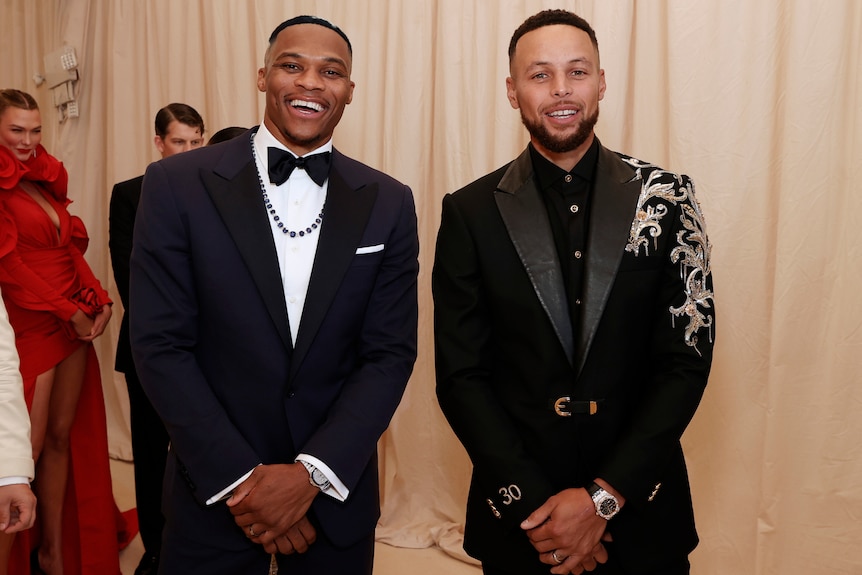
(593,488)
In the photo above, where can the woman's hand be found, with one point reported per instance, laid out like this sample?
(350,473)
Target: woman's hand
(82,324)
(101,321)
(89,328)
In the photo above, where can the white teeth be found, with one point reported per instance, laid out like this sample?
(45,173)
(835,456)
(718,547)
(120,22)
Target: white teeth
(563,113)
(304,104)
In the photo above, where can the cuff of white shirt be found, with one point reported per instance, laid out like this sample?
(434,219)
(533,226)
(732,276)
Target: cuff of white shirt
(337,490)
(14,480)
(228,491)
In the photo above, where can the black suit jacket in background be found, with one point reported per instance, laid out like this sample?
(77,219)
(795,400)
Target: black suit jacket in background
(506,349)
(121,220)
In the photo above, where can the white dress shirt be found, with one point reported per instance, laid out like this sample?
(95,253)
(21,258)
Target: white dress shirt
(298,203)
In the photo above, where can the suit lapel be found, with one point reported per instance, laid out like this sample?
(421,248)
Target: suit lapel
(235,190)
(526,219)
(613,206)
(346,216)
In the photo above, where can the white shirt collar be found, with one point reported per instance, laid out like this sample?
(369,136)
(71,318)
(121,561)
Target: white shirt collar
(264,139)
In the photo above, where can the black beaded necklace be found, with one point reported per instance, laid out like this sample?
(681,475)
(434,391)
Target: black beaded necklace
(274,215)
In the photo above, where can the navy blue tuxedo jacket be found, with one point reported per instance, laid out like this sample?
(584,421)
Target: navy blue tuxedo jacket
(506,349)
(213,349)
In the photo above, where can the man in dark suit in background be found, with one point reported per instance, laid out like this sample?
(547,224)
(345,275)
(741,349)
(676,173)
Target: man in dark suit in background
(179,128)
(573,328)
(274,326)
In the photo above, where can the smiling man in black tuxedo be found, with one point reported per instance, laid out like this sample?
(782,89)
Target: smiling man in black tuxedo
(573,328)
(274,328)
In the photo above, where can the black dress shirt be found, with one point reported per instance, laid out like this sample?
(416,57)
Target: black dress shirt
(567,198)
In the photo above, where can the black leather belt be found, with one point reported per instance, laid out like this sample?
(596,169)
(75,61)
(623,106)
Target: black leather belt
(565,407)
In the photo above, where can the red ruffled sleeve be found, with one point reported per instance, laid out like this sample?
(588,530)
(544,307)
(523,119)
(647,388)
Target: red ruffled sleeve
(96,295)
(20,284)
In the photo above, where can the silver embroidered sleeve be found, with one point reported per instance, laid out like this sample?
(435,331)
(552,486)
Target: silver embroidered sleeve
(693,255)
(659,190)
(648,217)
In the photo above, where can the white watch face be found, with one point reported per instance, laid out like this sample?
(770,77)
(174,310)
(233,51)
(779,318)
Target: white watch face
(319,478)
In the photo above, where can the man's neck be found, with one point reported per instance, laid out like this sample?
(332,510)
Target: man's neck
(565,160)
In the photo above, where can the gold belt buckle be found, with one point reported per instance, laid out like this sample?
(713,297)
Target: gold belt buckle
(563,409)
(560,406)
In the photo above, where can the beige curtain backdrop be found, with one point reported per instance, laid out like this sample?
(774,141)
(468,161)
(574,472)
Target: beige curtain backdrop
(760,102)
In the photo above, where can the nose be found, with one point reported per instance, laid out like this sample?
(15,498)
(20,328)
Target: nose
(27,138)
(561,88)
(309,79)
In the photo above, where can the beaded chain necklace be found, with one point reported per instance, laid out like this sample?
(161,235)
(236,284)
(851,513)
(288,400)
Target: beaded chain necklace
(275,216)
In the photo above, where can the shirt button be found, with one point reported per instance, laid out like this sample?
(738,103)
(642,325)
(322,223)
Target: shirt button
(568,178)
(578,254)
(290,394)
(577,302)
(291,299)
(574,208)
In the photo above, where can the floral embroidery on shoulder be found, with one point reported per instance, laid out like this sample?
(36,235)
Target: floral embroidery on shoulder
(660,191)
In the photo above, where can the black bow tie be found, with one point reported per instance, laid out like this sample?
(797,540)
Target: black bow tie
(282,163)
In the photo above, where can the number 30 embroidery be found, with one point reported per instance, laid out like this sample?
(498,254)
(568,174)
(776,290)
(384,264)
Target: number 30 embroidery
(510,494)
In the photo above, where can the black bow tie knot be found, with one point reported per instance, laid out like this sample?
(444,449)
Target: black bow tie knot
(282,163)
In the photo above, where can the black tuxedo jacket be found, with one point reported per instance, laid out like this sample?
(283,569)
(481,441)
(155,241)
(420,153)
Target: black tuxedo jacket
(212,344)
(121,219)
(506,350)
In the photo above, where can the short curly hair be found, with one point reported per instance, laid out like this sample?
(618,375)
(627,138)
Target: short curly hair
(550,18)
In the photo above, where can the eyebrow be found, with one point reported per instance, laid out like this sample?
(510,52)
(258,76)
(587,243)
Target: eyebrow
(330,59)
(572,61)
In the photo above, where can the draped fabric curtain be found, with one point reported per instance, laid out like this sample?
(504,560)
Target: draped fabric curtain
(760,102)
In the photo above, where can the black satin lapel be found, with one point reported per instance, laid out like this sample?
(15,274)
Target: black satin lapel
(526,219)
(239,203)
(344,222)
(613,208)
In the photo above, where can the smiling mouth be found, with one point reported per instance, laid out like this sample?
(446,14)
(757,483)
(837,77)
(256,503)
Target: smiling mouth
(562,113)
(306,105)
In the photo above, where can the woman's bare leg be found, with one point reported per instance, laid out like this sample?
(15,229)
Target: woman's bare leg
(52,468)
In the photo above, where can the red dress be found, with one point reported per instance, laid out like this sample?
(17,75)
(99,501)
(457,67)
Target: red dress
(45,280)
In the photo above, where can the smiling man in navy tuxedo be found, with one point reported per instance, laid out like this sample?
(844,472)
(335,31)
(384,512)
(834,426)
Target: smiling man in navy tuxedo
(573,328)
(274,326)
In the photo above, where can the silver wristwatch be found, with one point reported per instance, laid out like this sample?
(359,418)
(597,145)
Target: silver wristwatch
(316,477)
(606,504)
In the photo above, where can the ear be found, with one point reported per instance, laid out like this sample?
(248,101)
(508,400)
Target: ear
(261,80)
(602,85)
(350,94)
(511,94)
(160,144)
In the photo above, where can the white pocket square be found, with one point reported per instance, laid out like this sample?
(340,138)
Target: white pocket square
(369,249)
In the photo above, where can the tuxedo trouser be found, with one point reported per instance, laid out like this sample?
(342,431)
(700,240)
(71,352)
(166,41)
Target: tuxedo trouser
(612,567)
(150,452)
(184,556)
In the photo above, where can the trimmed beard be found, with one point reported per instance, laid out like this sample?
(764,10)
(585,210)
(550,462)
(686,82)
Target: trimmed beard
(561,144)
